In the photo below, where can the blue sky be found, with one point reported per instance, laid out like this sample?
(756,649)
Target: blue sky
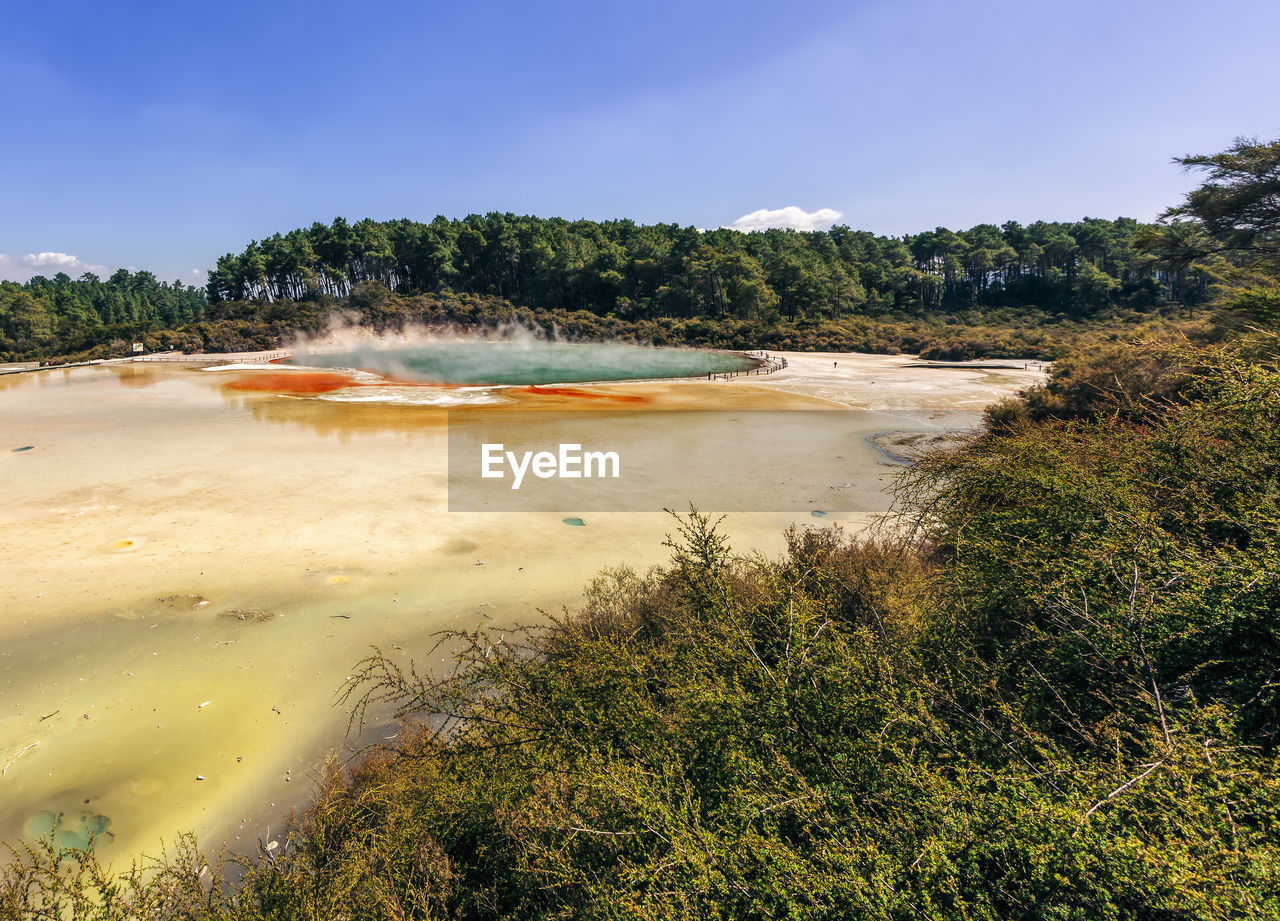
(160,135)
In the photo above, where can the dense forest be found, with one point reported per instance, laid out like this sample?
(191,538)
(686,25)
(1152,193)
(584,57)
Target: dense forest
(944,291)
(60,315)
(664,270)
(1004,291)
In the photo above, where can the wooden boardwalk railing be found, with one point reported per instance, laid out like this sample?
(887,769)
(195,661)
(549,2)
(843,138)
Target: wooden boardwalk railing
(767,366)
(216,358)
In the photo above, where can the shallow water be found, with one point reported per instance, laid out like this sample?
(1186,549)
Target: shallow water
(195,561)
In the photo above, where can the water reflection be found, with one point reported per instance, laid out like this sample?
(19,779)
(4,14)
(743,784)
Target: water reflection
(338,420)
(133,375)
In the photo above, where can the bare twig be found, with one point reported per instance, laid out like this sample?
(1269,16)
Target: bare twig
(1120,789)
(5,770)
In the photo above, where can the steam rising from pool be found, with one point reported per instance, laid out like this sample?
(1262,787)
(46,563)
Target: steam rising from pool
(518,360)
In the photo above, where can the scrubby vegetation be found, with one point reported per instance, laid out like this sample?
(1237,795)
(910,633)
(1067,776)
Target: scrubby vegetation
(1049,692)
(36,332)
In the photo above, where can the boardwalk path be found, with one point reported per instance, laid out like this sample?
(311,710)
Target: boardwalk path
(201,358)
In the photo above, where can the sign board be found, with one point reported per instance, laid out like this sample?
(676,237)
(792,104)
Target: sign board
(137,346)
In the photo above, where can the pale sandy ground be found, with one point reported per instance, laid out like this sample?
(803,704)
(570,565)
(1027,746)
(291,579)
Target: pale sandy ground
(900,383)
(122,695)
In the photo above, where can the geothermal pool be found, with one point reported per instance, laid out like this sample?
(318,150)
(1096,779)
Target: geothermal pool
(524,361)
(194,560)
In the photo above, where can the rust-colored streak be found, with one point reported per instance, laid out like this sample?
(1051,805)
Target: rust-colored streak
(291,382)
(586,394)
(308,382)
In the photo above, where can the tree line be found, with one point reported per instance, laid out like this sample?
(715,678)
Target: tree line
(998,292)
(643,271)
(58,315)
(1006,291)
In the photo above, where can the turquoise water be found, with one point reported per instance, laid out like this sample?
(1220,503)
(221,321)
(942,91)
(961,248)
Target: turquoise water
(527,362)
(76,832)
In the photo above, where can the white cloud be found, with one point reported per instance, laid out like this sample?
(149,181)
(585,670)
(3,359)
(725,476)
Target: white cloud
(60,261)
(21,268)
(790,216)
